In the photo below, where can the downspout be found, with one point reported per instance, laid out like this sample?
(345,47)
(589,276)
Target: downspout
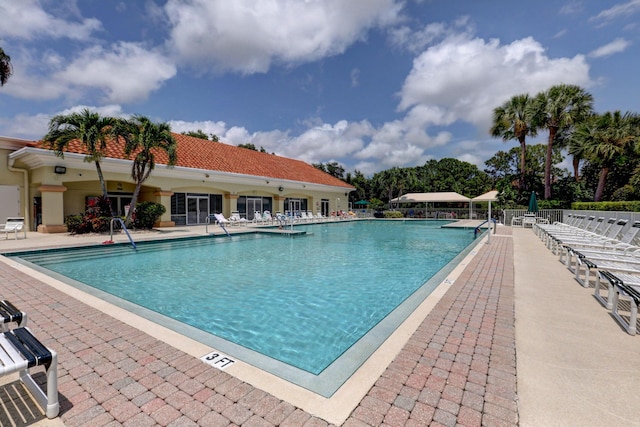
(25,175)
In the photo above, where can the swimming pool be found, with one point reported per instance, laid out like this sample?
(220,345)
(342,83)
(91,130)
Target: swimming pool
(310,309)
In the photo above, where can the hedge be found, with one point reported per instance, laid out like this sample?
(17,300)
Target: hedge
(607,206)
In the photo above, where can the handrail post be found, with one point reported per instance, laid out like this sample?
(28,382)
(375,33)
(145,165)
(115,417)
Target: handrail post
(124,227)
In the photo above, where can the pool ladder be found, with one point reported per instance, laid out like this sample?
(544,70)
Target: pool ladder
(124,227)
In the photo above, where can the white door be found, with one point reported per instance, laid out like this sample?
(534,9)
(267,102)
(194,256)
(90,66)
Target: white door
(10,206)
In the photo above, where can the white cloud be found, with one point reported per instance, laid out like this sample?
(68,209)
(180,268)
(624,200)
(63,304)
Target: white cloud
(464,78)
(571,8)
(621,9)
(616,46)
(127,72)
(207,126)
(248,36)
(26,19)
(416,41)
(355,77)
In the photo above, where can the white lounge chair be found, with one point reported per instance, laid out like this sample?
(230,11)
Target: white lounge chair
(236,219)
(594,240)
(13,224)
(624,286)
(21,351)
(603,263)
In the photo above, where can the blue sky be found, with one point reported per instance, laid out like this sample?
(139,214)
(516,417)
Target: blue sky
(370,84)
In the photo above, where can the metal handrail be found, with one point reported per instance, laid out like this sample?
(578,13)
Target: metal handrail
(125,231)
(208,221)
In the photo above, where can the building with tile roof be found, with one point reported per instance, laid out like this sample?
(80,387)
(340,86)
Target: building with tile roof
(209,177)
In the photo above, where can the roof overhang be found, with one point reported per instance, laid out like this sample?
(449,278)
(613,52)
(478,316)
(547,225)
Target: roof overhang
(35,158)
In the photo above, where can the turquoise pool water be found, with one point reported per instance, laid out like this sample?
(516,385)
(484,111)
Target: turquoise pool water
(303,301)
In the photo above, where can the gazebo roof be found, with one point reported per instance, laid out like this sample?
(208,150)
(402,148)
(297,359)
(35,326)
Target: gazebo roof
(450,196)
(489,196)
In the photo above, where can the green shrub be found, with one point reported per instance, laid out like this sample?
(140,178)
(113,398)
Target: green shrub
(607,206)
(100,224)
(147,213)
(75,224)
(393,214)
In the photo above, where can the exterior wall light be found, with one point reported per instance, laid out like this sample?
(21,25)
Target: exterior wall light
(280,188)
(61,170)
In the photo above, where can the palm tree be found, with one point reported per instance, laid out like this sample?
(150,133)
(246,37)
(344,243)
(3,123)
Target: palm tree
(89,129)
(560,107)
(605,139)
(512,120)
(146,139)
(5,67)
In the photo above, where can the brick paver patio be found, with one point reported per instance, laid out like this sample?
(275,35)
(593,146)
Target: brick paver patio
(458,368)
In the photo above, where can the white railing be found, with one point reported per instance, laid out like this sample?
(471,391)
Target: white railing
(551,215)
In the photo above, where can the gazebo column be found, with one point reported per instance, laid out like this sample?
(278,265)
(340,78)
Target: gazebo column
(164,198)
(52,209)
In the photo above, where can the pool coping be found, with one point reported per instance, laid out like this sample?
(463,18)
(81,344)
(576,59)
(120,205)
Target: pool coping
(334,409)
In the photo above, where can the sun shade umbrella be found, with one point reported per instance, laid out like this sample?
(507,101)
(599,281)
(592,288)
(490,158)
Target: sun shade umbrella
(533,203)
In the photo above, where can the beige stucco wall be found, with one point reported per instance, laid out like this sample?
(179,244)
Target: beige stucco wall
(16,178)
(66,194)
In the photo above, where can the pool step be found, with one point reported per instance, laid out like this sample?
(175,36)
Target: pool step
(108,251)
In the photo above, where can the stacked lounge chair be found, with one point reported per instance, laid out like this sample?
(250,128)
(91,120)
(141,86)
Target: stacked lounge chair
(608,248)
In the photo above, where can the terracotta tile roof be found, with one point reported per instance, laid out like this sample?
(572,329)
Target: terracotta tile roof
(217,156)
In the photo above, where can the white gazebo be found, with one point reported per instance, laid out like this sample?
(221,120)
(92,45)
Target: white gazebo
(445,196)
(442,196)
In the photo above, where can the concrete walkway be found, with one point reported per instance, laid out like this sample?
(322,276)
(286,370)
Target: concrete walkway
(513,341)
(576,365)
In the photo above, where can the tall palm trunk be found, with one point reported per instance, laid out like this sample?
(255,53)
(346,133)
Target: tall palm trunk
(134,202)
(547,162)
(103,185)
(576,168)
(523,157)
(602,179)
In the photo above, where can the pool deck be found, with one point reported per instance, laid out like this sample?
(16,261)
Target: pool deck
(513,340)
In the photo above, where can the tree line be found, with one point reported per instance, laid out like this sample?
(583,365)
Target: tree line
(604,149)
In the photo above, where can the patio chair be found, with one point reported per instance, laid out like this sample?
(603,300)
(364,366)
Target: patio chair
(13,224)
(528,220)
(236,219)
(19,352)
(10,314)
